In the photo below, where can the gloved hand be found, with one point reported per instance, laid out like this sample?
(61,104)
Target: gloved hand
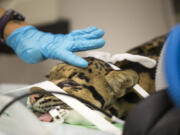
(33,46)
(156,115)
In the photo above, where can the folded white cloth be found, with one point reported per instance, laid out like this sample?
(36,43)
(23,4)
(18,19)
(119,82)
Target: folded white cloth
(107,57)
(160,81)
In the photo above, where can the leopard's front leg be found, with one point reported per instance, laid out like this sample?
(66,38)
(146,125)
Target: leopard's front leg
(121,80)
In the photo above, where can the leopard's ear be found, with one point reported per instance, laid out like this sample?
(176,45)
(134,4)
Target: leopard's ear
(36,89)
(34,97)
(121,80)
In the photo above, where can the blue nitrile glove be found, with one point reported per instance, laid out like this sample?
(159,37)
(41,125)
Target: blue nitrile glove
(34,46)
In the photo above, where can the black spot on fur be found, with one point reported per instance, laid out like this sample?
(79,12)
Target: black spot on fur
(77,88)
(102,65)
(113,111)
(100,68)
(95,94)
(73,74)
(83,77)
(39,97)
(90,70)
(96,65)
(90,63)
(45,101)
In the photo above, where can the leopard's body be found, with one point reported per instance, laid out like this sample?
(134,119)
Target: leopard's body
(108,89)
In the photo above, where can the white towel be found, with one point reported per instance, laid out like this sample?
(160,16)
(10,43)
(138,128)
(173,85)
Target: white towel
(107,57)
(160,81)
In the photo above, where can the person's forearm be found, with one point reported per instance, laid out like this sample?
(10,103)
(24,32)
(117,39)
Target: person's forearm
(11,25)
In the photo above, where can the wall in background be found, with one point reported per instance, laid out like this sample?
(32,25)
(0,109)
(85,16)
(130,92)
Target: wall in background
(127,23)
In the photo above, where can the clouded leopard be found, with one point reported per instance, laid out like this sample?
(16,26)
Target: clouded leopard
(108,89)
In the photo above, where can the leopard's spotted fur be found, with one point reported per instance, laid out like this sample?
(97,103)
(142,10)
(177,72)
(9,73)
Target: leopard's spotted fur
(99,84)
